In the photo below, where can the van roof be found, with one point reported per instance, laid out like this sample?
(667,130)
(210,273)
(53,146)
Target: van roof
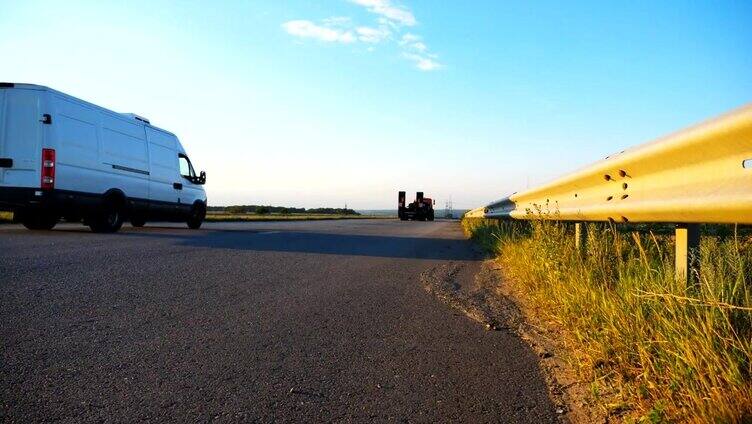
(132,116)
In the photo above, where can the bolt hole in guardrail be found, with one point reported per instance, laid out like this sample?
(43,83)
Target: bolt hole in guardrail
(747,164)
(622,173)
(609,198)
(624,196)
(625,186)
(607,177)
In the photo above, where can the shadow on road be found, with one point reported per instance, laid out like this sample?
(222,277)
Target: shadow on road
(324,243)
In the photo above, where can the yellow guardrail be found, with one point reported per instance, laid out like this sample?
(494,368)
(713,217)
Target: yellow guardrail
(699,175)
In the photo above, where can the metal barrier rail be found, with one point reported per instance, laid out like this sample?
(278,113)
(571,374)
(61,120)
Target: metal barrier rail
(699,175)
(694,176)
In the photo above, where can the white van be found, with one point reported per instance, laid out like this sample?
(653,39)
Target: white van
(62,157)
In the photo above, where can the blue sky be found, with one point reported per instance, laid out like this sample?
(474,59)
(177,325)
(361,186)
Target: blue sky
(308,104)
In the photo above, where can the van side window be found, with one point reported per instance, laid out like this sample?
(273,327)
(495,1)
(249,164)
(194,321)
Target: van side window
(186,168)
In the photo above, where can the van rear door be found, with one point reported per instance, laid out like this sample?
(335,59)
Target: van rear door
(20,137)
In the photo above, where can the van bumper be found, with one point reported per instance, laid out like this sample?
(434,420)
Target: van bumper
(16,198)
(61,202)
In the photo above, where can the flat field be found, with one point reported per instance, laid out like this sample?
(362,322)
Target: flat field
(228,217)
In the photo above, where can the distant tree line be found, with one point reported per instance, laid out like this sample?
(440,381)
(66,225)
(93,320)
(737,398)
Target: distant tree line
(265,210)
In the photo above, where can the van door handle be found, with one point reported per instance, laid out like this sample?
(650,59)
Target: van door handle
(177,186)
(6,163)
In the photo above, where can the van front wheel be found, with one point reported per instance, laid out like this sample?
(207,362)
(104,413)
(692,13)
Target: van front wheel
(138,222)
(196,218)
(39,221)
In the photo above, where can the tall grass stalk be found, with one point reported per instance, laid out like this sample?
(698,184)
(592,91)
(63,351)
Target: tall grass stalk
(672,352)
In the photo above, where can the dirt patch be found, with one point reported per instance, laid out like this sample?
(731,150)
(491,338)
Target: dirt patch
(493,303)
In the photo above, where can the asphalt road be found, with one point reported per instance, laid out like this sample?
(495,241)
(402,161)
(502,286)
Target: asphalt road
(289,321)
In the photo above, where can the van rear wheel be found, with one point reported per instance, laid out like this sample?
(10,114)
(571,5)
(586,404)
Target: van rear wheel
(39,221)
(108,220)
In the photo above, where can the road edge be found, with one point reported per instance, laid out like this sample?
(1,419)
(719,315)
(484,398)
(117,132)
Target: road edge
(485,303)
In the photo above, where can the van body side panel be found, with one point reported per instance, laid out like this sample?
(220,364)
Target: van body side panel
(2,135)
(191,193)
(124,154)
(163,166)
(21,137)
(76,143)
(99,151)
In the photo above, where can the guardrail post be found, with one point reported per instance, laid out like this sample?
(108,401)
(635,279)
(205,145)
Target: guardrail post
(580,236)
(687,253)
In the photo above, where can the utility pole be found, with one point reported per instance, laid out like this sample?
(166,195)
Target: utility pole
(448,213)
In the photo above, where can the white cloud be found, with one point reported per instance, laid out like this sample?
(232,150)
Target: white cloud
(372,35)
(413,42)
(396,14)
(416,51)
(390,25)
(409,38)
(337,21)
(419,46)
(424,63)
(308,29)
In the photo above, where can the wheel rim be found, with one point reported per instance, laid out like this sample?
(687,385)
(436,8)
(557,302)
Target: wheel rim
(113,218)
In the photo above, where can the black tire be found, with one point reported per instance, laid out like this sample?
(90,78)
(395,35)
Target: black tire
(39,221)
(196,218)
(138,222)
(109,219)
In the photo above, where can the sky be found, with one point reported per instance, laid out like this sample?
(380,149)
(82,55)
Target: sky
(307,104)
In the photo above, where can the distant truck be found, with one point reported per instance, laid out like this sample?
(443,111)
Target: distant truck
(419,210)
(62,157)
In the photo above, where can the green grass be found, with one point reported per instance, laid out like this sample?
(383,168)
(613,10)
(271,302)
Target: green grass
(668,351)
(6,217)
(228,217)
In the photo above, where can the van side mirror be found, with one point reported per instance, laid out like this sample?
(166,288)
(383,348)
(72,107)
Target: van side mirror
(202,178)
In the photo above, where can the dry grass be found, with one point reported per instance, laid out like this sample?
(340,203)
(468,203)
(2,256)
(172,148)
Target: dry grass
(664,351)
(6,217)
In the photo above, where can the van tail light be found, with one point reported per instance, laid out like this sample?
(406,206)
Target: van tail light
(48,169)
